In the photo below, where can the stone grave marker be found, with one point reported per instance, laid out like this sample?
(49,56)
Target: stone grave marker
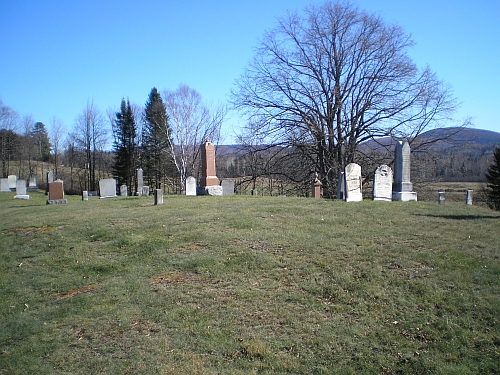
(158,196)
(107,188)
(340,186)
(316,186)
(191,186)
(441,197)
(4,185)
(227,187)
(382,184)
(49,177)
(32,185)
(209,183)
(468,197)
(402,188)
(254,192)
(145,191)
(123,190)
(85,195)
(56,193)
(21,190)
(12,181)
(352,177)
(139,182)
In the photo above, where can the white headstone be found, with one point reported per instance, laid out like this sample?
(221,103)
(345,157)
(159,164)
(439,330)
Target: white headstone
(32,185)
(4,185)
(107,188)
(123,190)
(468,197)
(352,177)
(85,195)
(340,186)
(139,182)
(12,181)
(382,184)
(158,196)
(441,197)
(402,189)
(21,190)
(190,185)
(145,191)
(227,187)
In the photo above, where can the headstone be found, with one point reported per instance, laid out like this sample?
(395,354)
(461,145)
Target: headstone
(4,185)
(32,185)
(352,177)
(107,188)
(440,197)
(402,188)
(209,183)
(12,181)
(340,186)
(158,196)
(85,195)
(316,187)
(254,192)
(191,186)
(123,190)
(145,191)
(227,187)
(56,193)
(21,190)
(468,197)
(49,177)
(382,184)
(139,182)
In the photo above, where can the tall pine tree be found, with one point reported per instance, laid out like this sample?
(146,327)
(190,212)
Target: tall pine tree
(42,143)
(125,134)
(493,177)
(156,139)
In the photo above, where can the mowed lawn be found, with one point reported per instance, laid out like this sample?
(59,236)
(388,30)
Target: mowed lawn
(248,285)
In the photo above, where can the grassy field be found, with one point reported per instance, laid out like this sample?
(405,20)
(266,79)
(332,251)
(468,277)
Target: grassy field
(248,285)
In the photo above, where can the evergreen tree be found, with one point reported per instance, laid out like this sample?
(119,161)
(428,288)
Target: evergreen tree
(156,139)
(493,177)
(125,134)
(42,143)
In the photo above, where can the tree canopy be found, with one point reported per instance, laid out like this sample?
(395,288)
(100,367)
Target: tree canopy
(493,177)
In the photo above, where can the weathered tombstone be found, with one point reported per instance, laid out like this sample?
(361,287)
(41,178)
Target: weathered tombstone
(158,196)
(56,193)
(382,184)
(32,185)
(254,192)
(145,191)
(191,186)
(352,177)
(107,188)
(209,183)
(123,190)
(402,188)
(49,177)
(440,197)
(340,186)
(4,185)
(468,197)
(85,195)
(21,190)
(316,187)
(227,187)
(140,182)
(12,181)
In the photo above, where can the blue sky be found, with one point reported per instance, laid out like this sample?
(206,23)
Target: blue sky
(55,55)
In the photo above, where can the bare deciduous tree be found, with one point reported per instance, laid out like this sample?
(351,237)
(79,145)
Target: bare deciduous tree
(57,133)
(334,77)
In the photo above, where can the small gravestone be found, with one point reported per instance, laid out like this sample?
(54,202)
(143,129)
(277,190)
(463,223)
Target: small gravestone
(440,197)
(382,184)
(32,185)
(107,188)
(402,188)
(468,197)
(145,191)
(139,182)
(4,185)
(85,195)
(49,178)
(21,190)
(340,186)
(316,187)
(191,186)
(12,181)
(352,177)
(158,196)
(254,192)
(123,190)
(56,193)
(227,187)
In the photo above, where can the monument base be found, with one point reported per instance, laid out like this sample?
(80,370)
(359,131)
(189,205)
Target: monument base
(404,196)
(108,196)
(21,196)
(210,190)
(383,199)
(57,201)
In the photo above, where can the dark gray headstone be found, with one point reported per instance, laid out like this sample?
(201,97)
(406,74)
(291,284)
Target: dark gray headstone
(340,186)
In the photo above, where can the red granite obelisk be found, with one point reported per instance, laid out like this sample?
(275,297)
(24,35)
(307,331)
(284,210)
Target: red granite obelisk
(208,177)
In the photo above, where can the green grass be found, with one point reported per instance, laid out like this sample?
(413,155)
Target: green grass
(248,285)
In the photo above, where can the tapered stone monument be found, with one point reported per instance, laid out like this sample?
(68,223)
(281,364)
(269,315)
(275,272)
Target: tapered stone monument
(402,189)
(209,183)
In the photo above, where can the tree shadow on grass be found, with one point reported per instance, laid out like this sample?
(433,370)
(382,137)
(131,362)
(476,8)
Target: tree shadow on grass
(462,217)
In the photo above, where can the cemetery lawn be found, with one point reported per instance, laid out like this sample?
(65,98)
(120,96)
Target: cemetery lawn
(248,285)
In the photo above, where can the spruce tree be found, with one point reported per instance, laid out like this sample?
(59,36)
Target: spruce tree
(156,139)
(493,177)
(125,134)
(42,143)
